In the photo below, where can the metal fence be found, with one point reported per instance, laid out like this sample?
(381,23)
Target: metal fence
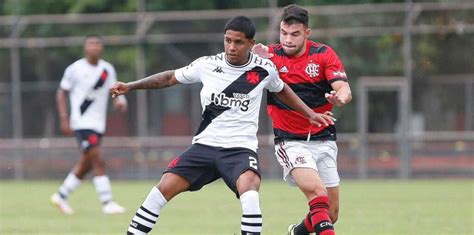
(436,110)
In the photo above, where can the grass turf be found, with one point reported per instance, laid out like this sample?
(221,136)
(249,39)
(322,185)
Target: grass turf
(367,207)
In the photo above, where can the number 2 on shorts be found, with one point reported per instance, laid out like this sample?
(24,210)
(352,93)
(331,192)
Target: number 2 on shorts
(253,162)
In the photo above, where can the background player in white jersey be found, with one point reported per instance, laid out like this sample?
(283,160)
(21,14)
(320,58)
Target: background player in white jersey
(226,143)
(87,81)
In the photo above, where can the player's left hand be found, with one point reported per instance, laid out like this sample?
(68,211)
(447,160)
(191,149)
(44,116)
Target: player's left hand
(320,119)
(334,98)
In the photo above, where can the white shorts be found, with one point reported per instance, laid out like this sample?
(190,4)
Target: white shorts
(318,155)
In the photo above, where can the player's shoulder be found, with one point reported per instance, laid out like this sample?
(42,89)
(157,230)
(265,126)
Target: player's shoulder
(106,64)
(277,49)
(319,48)
(76,65)
(263,62)
(209,59)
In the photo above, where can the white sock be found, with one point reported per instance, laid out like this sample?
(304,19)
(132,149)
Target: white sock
(148,213)
(251,215)
(70,184)
(103,188)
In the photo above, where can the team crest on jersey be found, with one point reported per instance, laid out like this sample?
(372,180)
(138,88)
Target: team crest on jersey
(312,70)
(253,77)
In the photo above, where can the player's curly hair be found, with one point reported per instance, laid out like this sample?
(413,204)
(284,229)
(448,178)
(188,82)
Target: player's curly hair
(294,14)
(241,24)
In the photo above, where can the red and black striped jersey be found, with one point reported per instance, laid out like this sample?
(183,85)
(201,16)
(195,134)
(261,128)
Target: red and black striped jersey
(310,77)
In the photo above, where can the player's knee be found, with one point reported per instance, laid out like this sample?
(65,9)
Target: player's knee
(249,180)
(171,185)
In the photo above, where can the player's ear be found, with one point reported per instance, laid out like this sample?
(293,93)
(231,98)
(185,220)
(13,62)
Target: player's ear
(252,42)
(307,32)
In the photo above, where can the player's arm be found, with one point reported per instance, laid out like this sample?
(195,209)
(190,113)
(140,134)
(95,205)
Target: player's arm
(155,81)
(336,75)
(341,93)
(61,104)
(288,96)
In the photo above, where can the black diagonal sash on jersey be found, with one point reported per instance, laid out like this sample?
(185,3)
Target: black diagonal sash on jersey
(240,85)
(87,102)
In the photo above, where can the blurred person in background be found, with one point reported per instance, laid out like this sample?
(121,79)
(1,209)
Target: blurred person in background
(87,82)
(307,153)
(226,142)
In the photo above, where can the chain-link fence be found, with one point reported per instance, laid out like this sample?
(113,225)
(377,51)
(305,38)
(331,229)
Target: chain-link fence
(428,45)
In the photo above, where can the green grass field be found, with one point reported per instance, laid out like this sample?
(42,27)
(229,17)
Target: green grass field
(367,207)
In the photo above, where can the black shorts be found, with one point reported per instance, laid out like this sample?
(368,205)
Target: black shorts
(87,139)
(202,164)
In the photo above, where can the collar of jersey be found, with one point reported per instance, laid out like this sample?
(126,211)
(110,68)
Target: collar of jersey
(239,66)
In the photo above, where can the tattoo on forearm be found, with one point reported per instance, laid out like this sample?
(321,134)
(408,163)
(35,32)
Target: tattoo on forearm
(155,81)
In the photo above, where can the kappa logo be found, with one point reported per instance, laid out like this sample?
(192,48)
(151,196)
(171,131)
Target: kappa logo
(218,69)
(312,70)
(339,74)
(283,69)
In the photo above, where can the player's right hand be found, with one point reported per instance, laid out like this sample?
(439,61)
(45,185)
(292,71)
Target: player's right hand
(262,51)
(65,128)
(320,119)
(119,88)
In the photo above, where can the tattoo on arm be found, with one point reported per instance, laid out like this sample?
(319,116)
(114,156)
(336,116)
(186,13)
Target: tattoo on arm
(155,81)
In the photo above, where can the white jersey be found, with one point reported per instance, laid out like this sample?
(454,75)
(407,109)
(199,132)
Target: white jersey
(230,98)
(88,87)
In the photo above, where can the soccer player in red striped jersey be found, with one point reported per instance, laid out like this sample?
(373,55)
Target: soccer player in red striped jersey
(306,152)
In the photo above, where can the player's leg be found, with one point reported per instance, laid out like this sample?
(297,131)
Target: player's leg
(313,188)
(102,184)
(327,169)
(190,171)
(74,178)
(300,169)
(248,185)
(333,194)
(240,170)
(147,214)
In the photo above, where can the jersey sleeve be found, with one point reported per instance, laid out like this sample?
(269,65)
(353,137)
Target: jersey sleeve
(334,69)
(189,74)
(274,84)
(112,79)
(67,81)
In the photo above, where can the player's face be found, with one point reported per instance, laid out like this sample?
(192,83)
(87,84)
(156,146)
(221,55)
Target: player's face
(93,48)
(237,47)
(293,38)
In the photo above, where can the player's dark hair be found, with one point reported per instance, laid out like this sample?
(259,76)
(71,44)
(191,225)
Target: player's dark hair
(294,14)
(241,24)
(94,36)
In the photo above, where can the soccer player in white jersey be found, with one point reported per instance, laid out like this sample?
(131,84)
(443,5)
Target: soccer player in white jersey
(226,143)
(87,81)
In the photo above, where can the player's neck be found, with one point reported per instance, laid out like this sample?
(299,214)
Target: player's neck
(92,61)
